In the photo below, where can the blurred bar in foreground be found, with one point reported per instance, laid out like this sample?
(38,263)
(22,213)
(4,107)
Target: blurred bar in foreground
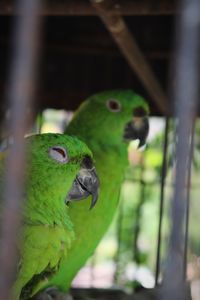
(20,92)
(185,95)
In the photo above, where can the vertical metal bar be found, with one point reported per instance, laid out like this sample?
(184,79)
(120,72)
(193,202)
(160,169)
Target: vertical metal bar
(137,226)
(188,200)
(120,218)
(92,273)
(186,94)
(162,190)
(39,121)
(19,96)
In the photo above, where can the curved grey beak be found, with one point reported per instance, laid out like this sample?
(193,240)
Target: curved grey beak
(138,128)
(85,184)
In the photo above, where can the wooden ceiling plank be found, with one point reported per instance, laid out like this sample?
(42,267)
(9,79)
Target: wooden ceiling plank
(83,8)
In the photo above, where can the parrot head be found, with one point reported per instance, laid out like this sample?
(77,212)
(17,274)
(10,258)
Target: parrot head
(119,115)
(60,165)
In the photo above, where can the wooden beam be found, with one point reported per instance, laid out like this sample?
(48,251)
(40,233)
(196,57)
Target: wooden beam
(129,48)
(88,50)
(93,48)
(83,8)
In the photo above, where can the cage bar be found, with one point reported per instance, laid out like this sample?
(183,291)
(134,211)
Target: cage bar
(186,94)
(162,197)
(20,93)
(188,200)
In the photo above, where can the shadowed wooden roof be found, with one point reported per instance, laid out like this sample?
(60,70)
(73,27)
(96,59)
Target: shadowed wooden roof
(80,57)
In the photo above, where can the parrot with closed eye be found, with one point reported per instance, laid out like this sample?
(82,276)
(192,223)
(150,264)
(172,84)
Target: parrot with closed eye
(59,170)
(105,122)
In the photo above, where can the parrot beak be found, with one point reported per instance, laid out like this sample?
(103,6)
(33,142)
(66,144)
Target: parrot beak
(85,184)
(138,128)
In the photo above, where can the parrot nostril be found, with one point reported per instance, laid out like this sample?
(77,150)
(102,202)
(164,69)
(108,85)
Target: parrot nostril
(139,112)
(87,162)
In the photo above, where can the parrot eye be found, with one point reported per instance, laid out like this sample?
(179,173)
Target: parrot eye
(113,105)
(59,154)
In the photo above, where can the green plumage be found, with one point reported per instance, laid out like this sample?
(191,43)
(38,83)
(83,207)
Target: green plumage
(102,130)
(47,232)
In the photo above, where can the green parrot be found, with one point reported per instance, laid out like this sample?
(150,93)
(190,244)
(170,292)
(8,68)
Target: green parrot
(105,122)
(59,170)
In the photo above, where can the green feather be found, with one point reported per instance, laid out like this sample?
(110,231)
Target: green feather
(102,130)
(47,231)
